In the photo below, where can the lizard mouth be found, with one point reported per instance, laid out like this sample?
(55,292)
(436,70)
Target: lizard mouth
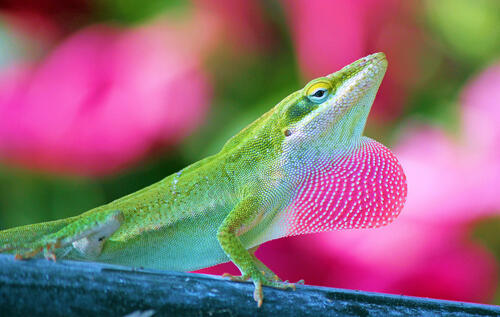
(376,60)
(365,71)
(360,78)
(375,63)
(349,109)
(374,67)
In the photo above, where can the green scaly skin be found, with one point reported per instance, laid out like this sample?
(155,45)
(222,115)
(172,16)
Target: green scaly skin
(222,207)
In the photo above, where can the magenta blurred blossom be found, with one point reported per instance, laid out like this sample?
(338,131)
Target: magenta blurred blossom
(427,251)
(102,98)
(481,99)
(331,34)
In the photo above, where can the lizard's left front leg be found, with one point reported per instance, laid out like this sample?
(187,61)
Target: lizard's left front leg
(243,214)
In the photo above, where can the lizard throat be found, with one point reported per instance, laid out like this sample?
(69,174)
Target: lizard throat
(365,189)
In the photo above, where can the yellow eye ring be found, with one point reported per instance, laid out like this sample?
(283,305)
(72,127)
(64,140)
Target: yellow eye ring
(318,92)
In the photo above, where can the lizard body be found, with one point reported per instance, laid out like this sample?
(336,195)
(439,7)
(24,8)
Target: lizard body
(302,167)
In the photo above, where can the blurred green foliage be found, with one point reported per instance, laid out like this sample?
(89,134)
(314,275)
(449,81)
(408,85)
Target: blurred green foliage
(469,29)
(128,12)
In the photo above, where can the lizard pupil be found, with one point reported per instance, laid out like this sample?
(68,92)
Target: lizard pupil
(319,93)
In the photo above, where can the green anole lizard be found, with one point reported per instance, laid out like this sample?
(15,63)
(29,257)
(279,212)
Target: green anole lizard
(302,167)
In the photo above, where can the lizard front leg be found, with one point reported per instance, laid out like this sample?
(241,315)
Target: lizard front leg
(87,235)
(251,268)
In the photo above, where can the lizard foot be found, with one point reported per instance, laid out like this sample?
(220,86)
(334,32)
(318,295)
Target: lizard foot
(260,279)
(237,278)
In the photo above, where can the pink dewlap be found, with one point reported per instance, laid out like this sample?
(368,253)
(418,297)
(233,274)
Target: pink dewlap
(365,189)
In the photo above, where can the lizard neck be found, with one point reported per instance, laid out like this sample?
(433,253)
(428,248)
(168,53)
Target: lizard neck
(363,187)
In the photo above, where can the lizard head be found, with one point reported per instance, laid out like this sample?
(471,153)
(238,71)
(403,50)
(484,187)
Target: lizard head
(333,109)
(336,178)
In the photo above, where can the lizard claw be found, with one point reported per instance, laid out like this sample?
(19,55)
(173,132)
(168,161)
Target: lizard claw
(258,296)
(260,279)
(236,278)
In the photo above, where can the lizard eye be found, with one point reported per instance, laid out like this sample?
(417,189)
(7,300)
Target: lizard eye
(318,92)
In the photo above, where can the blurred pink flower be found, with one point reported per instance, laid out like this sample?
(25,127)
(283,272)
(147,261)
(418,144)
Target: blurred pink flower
(331,34)
(481,99)
(102,98)
(427,251)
